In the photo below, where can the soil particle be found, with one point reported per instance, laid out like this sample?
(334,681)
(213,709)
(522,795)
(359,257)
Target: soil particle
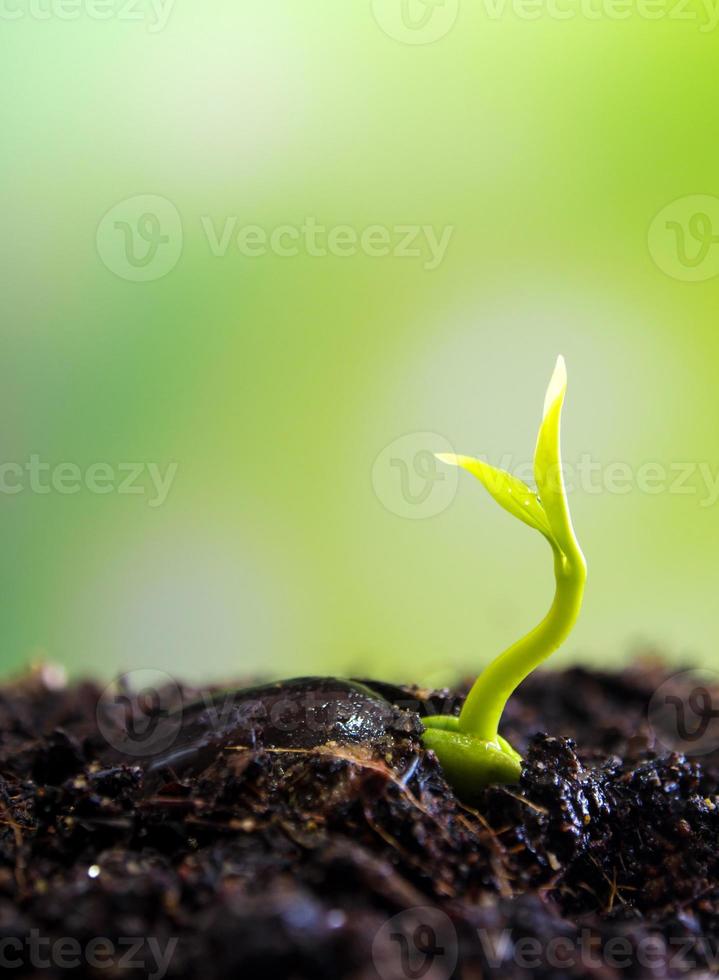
(301,830)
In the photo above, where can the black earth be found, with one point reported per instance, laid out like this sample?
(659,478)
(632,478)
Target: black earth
(301,830)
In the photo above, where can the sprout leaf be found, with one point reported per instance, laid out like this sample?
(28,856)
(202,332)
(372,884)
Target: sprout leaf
(507,490)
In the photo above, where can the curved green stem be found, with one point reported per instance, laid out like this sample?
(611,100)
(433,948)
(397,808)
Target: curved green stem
(486,701)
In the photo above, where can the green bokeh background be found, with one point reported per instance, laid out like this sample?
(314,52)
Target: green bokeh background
(275,382)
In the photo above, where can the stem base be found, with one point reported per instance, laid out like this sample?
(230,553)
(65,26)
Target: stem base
(468,762)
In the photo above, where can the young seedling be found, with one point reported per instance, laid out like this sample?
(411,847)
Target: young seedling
(469,748)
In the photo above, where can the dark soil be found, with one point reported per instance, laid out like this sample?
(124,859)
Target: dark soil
(302,831)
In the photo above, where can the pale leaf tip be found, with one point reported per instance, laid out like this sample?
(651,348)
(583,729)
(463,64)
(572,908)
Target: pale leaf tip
(452,459)
(557,385)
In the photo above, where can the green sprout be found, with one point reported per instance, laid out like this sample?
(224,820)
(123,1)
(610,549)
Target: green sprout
(469,747)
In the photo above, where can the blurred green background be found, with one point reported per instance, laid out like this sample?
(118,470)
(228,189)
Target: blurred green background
(296,397)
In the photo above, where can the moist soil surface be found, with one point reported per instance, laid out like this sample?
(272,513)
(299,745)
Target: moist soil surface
(301,830)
